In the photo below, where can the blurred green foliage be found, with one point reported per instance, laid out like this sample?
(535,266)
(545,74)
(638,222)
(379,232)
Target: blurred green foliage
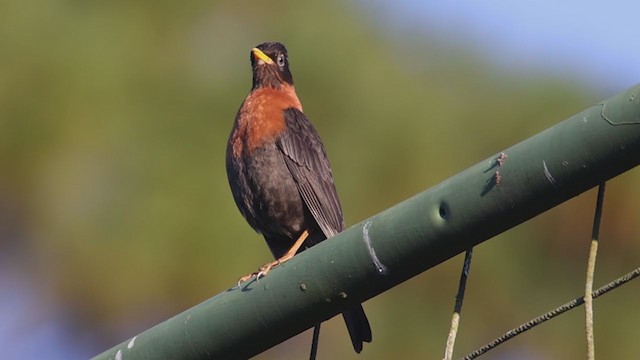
(114,118)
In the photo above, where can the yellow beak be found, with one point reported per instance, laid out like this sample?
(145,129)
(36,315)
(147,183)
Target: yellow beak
(258,54)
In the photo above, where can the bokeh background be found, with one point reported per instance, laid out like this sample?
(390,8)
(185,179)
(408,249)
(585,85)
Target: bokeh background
(115,212)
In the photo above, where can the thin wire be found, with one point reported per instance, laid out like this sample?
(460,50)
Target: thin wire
(551,314)
(591,268)
(457,308)
(314,342)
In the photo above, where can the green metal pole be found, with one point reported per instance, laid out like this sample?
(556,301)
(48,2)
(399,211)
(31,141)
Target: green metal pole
(371,257)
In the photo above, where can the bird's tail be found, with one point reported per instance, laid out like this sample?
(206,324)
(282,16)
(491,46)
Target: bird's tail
(358,326)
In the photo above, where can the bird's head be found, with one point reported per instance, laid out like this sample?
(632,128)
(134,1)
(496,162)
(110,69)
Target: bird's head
(270,65)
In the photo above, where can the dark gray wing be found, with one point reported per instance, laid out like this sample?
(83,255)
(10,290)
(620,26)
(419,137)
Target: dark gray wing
(307,161)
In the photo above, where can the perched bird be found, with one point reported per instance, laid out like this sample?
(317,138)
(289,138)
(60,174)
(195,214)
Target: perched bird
(279,173)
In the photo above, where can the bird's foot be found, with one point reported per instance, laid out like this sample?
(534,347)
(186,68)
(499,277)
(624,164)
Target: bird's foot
(264,269)
(262,272)
(246,277)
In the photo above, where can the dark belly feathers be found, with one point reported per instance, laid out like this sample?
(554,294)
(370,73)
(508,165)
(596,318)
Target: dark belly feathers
(267,194)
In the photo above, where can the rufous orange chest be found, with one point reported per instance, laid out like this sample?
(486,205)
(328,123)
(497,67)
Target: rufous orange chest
(261,117)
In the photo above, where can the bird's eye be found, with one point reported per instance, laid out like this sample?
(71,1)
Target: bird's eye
(281,60)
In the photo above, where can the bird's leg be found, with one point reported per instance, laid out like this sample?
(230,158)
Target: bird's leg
(264,269)
(294,249)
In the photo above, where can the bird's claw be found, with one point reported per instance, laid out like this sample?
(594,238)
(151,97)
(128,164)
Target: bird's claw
(264,269)
(241,280)
(262,272)
(246,277)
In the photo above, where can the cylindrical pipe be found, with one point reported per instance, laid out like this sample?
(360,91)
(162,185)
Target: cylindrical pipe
(405,240)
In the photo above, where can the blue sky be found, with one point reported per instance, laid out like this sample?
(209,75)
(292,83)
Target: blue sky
(597,43)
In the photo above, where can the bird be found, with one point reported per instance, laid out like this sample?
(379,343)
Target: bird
(279,174)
